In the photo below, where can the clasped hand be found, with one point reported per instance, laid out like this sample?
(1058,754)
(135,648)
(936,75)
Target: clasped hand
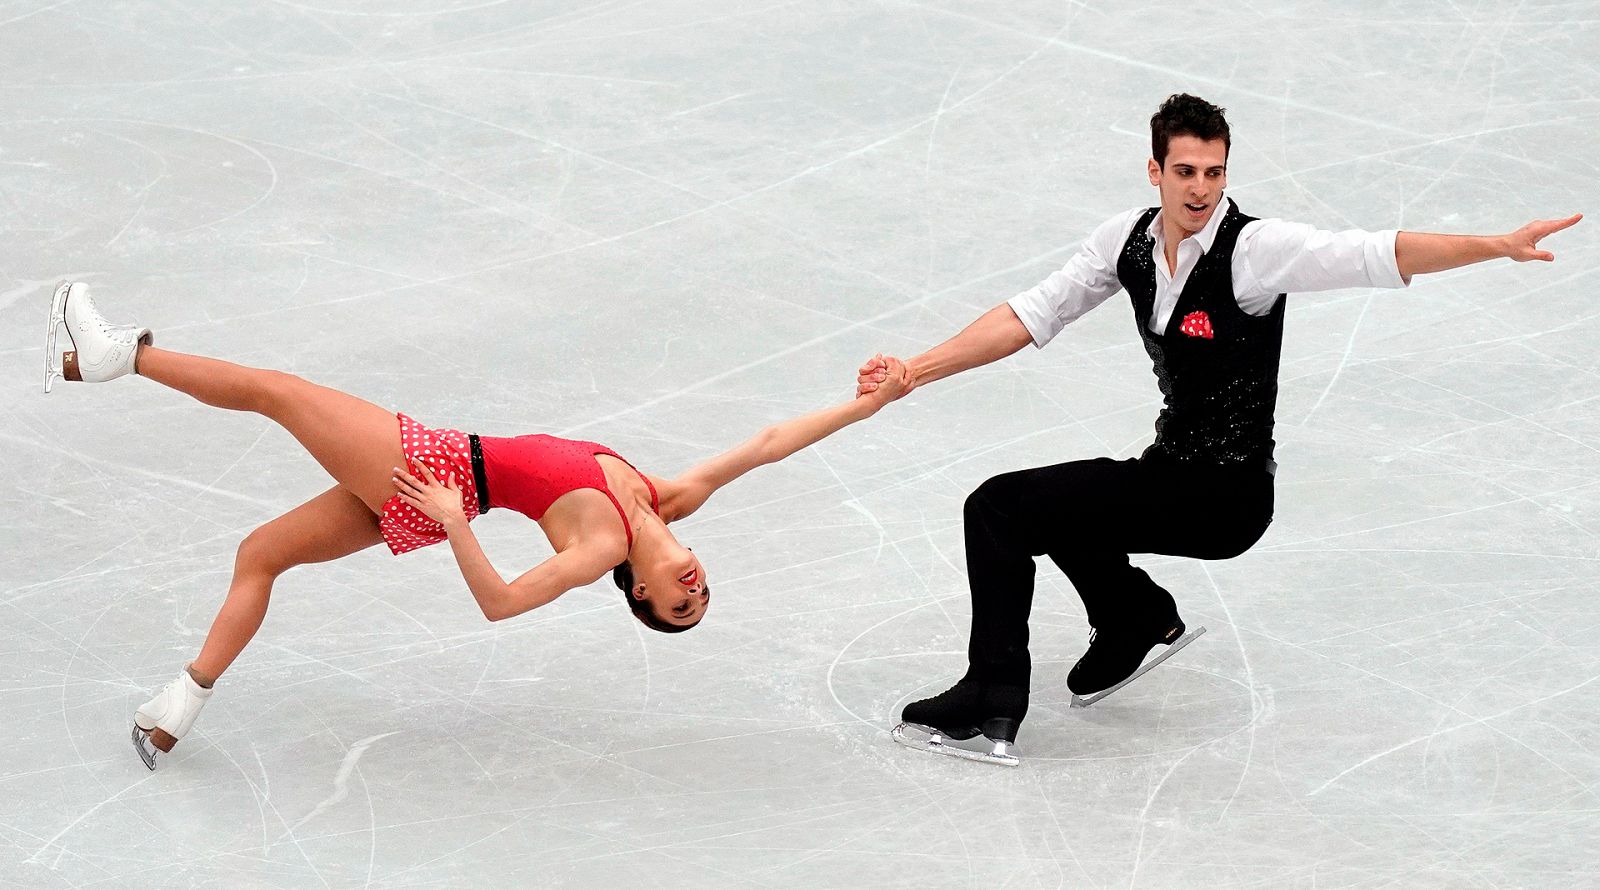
(882,380)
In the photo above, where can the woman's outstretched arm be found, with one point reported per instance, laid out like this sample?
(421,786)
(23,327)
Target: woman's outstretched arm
(776,442)
(574,567)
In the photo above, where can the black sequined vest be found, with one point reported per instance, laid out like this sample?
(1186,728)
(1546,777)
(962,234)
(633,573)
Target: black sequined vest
(1216,364)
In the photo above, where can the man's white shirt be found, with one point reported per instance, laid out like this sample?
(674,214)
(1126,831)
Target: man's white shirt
(1272,257)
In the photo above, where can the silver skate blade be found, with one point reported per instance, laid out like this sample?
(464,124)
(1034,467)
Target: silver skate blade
(979,748)
(141,743)
(1084,701)
(58,317)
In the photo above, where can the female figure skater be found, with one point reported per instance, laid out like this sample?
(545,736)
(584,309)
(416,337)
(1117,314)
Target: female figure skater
(409,486)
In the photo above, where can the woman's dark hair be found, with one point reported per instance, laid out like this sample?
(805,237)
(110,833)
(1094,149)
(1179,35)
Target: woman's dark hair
(1186,115)
(622,576)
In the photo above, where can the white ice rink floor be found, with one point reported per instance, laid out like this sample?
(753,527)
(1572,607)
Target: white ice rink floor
(664,224)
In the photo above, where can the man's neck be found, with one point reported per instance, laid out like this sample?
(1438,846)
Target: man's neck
(1173,234)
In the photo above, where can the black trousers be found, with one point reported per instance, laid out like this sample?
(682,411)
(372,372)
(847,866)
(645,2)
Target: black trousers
(1087,516)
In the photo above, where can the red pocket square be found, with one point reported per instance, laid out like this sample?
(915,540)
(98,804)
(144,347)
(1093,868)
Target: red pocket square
(1196,324)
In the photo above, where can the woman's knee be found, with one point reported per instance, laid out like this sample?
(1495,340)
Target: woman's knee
(261,554)
(274,391)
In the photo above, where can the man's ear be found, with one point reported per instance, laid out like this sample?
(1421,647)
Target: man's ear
(1154,170)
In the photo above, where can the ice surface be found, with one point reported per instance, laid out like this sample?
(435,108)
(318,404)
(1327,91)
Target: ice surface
(665,224)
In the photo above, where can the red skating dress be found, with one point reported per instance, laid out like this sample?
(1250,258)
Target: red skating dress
(522,473)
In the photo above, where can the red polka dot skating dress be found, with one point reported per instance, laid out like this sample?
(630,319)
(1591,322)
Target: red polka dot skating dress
(524,473)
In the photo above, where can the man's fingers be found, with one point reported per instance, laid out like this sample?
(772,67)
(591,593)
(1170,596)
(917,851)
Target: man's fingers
(1544,227)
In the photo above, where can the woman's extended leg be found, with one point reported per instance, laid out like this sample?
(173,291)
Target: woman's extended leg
(357,442)
(333,524)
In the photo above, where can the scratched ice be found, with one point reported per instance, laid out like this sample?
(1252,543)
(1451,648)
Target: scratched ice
(664,224)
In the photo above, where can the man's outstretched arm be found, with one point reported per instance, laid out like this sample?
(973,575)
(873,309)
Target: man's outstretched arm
(1418,253)
(995,335)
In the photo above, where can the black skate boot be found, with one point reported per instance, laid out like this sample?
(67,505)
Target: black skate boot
(963,712)
(1114,657)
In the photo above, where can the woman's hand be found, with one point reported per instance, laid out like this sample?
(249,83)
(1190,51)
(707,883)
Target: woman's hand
(439,501)
(882,380)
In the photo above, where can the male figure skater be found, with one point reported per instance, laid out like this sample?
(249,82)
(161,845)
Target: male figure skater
(1208,287)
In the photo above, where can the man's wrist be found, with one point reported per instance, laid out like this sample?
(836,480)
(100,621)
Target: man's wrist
(916,369)
(1503,247)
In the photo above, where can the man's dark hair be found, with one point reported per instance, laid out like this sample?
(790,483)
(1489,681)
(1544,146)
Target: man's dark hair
(1186,115)
(622,576)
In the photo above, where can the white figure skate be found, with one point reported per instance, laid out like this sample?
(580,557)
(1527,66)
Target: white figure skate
(162,721)
(92,350)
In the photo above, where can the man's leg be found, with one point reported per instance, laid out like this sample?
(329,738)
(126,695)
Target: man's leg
(1009,520)
(1165,509)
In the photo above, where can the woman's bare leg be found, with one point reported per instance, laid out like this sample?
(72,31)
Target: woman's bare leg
(331,525)
(357,442)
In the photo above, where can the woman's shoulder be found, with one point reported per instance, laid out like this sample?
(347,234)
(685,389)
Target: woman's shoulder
(673,495)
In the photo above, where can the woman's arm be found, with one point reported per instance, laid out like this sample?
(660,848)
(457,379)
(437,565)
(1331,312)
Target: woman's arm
(777,442)
(539,585)
(574,567)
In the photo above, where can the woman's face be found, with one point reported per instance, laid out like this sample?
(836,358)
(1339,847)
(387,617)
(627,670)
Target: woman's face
(674,585)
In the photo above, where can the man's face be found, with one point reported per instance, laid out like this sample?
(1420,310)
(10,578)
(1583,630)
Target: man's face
(1192,181)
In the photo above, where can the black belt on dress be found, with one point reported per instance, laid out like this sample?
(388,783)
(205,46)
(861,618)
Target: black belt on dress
(478,477)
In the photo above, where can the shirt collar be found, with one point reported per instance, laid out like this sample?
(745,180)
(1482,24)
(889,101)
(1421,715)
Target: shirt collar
(1205,237)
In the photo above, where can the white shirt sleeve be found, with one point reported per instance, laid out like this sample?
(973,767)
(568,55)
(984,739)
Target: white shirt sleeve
(1085,282)
(1275,256)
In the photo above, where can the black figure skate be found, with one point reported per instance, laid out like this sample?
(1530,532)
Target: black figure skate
(986,715)
(1114,656)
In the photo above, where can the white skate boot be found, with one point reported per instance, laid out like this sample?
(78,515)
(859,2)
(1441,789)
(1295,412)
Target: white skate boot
(162,721)
(93,350)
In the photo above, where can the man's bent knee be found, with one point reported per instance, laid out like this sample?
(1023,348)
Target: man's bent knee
(1005,493)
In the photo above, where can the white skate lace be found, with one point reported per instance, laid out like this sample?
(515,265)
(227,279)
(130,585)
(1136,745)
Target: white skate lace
(106,327)
(109,330)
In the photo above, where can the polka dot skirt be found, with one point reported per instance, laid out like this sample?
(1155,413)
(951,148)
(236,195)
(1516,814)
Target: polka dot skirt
(446,453)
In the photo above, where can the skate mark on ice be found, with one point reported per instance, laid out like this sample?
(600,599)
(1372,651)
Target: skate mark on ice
(1257,703)
(341,779)
(1474,722)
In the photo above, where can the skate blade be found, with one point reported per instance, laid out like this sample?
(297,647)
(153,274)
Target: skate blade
(1084,701)
(58,318)
(141,743)
(979,748)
